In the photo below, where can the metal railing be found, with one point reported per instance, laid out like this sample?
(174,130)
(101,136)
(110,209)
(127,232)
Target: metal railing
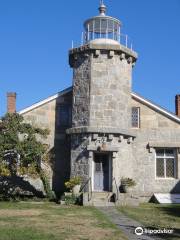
(87,184)
(123,39)
(117,189)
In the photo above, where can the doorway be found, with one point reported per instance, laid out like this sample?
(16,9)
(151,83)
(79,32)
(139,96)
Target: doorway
(102,172)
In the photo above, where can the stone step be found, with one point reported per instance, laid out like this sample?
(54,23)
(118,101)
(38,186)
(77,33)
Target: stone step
(102,204)
(98,199)
(101,199)
(102,194)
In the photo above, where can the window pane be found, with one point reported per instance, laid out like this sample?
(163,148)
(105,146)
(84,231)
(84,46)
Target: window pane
(98,166)
(135,117)
(169,152)
(103,26)
(160,167)
(97,25)
(159,152)
(110,25)
(169,167)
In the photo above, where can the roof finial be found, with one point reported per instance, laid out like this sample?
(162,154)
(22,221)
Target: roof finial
(102,8)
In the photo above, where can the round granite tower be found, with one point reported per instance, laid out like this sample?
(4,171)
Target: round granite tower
(102,69)
(101,109)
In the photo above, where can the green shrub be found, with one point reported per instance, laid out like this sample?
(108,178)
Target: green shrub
(129,182)
(49,193)
(73,182)
(71,199)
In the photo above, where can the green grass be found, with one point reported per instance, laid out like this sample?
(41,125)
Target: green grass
(44,221)
(156,216)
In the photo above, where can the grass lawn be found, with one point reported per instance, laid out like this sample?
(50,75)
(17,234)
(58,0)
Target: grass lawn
(48,221)
(156,216)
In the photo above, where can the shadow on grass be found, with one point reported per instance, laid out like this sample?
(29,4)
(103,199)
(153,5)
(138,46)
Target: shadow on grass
(168,236)
(172,210)
(157,216)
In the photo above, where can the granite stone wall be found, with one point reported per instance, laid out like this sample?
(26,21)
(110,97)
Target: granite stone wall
(132,158)
(110,91)
(80,156)
(49,116)
(101,100)
(159,131)
(101,105)
(101,88)
(81,90)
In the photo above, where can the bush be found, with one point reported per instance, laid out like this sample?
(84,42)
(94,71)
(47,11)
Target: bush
(49,193)
(73,182)
(71,199)
(129,182)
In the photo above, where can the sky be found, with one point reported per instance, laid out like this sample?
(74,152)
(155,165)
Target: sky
(35,36)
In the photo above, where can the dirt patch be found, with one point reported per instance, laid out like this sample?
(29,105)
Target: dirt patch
(75,227)
(20,213)
(71,223)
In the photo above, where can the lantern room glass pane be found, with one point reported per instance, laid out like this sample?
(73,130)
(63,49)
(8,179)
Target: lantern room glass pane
(110,25)
(97,26)
(102,27)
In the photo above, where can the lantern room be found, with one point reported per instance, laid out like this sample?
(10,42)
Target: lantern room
(102,27)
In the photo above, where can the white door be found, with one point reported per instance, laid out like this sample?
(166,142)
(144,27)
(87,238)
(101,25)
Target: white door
(101,172)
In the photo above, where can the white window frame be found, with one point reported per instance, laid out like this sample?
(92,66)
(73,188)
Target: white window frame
(166,157)
(138,108)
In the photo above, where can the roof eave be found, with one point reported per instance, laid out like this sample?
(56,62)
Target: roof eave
(49,99)
(156,107)
(134,95)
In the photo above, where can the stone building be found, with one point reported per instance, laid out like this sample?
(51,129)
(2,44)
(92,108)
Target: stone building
(101,130)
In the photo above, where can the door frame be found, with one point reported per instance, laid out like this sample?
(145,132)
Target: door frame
(109,167)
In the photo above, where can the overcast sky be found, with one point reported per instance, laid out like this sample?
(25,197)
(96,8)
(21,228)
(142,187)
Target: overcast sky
(35,36)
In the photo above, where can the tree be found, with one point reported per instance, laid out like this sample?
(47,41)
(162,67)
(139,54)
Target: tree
(21,147)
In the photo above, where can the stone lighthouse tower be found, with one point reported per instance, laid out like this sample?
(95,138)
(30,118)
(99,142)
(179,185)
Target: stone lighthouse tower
(101,112)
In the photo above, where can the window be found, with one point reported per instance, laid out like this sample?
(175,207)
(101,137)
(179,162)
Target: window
(64,115)
(98,166)
(135,117)
(166,163)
